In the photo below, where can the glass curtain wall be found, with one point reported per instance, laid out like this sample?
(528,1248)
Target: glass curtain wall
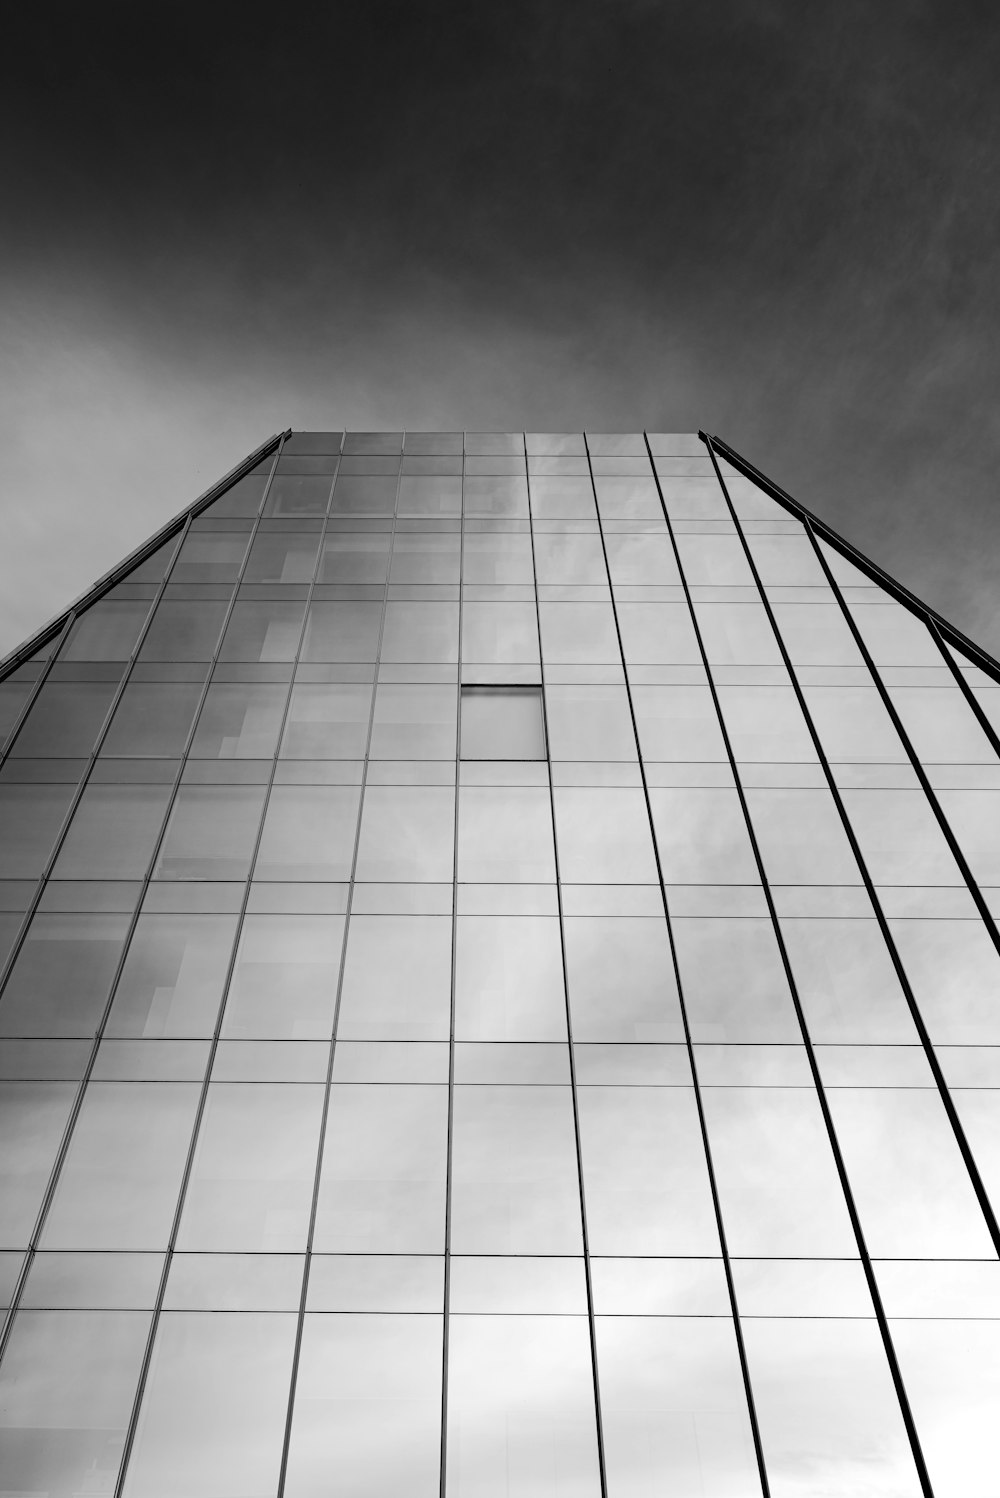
(500,997)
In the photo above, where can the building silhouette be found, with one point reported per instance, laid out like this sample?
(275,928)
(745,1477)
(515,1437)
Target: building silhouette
(501,995)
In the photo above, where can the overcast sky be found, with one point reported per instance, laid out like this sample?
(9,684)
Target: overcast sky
(778,221)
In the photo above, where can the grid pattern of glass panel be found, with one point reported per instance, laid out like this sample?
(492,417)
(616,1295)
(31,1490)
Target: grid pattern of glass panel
(613,1111)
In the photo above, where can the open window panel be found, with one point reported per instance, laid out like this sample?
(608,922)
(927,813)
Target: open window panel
(502,722)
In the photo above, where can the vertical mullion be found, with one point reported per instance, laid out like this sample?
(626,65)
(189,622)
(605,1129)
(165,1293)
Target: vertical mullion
(692,1062)
(446,1303)
(213,1046)
(591,1321)
(887,937)
(325,1111)
(841,1166)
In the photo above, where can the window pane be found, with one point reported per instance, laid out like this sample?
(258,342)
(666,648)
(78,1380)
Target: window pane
(106,632)
(13,696)
(817,634)
(737,634)
(786,561)
(952,1375)
(569,557)
(407,833)
(172,981)
(276,558)
(383,1182)
(284,984)
(521,1402)
(778,1185)
(420,632)
(900,838)
(646,558)
(63,974)
(502,723)
(354,557)
(678,723)
(65,719)
(414,722)
(505,835)
(243,497)
(497,633)
(213,1414)
(954,971)
(590,723)
(657,633)
(562,498)
(418,557)
(578,632)
(604,837)
(847,983)
(32,1116)
(515,1187)
(66,1393)
(624,498)
(262,631)
(154,568)
(714,561)
(362,494)
(497,557)
(327,722)
(894,636)
(153,719)
(209,557)
(436,494)
(853,724)
(397,979)
(341,631)
(766,723)
(211,832)
(693,498)
(974,817)
(251,1181)
(644,1172)
(734,983)
(308,832)
(495,495)
(119,1183)
(508,979)
(240,720)
(30,818)
(298,494)
(827,1407)
(113,832)
(674,1408)
(367,1406)
(184,629)
(621,980)
(801,837)
(702,837)
(912,1190)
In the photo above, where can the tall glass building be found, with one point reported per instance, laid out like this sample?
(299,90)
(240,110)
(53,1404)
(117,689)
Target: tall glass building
(501,995)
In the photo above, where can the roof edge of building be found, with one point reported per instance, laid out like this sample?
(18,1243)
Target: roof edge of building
(978,656)
(52,626)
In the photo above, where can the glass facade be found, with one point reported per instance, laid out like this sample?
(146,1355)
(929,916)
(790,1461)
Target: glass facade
(500,995)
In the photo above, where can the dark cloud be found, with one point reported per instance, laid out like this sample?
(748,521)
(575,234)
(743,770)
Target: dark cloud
(774,220)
